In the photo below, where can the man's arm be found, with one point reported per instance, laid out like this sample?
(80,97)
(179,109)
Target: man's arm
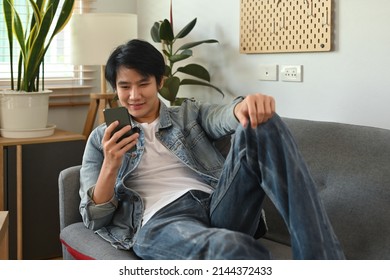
(98,175)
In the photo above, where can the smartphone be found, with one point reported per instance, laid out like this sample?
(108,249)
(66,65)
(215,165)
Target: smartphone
(122,115)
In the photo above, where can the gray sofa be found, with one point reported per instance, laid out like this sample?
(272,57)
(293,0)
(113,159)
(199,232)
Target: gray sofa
(351,165)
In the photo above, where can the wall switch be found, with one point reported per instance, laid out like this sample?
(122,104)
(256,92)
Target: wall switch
(291,73)
(268,72)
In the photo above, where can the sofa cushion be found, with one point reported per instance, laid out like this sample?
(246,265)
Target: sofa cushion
(78,241)
(351,166)
(82,244)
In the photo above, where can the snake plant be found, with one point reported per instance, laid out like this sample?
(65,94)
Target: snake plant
(48,19)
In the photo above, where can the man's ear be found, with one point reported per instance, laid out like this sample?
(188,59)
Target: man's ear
(161,83)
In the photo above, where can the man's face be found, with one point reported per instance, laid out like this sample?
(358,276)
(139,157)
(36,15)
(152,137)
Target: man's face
(138,94)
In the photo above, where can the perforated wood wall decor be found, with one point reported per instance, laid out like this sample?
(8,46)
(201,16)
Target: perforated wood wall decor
(277,26)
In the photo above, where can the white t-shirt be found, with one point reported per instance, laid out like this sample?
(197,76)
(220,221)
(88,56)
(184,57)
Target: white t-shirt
(161,177)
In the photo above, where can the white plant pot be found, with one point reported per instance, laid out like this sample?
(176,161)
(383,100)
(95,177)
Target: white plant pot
(24,115)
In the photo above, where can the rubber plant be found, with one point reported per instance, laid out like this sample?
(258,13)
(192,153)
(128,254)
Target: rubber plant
(35,39)
(162,32)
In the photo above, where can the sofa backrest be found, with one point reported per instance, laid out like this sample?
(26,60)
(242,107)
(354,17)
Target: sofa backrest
(351,166)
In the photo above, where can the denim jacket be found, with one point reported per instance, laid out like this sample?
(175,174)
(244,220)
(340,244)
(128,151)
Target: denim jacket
(187,131)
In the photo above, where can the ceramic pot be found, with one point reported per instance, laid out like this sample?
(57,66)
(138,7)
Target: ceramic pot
(24,115)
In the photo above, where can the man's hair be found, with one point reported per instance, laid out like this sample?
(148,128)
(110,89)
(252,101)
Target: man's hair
(138,55)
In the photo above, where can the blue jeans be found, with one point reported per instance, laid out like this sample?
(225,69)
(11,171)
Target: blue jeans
(262,161)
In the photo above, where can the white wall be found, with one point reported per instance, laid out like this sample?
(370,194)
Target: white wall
(115,6)
(349,84)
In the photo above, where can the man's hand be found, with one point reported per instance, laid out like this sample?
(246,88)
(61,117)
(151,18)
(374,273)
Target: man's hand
(255,109)
(113,147)
(113,155)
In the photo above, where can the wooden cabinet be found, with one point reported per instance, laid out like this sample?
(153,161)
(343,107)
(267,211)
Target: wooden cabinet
(29,169)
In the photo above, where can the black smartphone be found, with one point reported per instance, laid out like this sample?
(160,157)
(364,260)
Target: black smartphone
(122,115)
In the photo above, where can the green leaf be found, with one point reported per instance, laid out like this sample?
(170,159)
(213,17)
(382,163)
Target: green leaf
(37,11)
(200,83)
(8,16)
(19,33)
(166,53)
(167,71)
(170,88)
(178,57)
(37,51)
(195,70)
(64,17)
(37,14)
(62,21)
(154,32)
(40,4)
(166,32)
(186,29)
(164,92)
(194,44)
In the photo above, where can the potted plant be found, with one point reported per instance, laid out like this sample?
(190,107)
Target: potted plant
(162,32)
(18,112)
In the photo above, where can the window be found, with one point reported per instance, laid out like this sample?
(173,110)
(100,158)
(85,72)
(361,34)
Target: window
(59,73)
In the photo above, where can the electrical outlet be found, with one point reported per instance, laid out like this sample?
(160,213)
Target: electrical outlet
(268,72)
(291,73)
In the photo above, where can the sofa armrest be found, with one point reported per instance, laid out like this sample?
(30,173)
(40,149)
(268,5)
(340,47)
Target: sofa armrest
(69,198)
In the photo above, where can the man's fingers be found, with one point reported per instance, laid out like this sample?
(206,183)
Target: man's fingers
(242,119)
(255,109)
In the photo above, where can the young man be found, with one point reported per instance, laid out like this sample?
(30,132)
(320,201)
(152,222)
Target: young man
(176,197)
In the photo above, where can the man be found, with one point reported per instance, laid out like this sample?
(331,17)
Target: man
(176,197)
